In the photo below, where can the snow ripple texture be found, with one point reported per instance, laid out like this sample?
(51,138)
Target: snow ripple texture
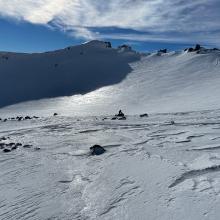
(152,169)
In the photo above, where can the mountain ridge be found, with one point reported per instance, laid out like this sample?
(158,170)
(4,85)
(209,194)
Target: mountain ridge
(95,79)
(61,72)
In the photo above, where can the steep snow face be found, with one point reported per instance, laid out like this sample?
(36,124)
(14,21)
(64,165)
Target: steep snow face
(176,81)
(74,70)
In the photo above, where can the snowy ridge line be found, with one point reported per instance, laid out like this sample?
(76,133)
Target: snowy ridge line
(70,71)
(93,79)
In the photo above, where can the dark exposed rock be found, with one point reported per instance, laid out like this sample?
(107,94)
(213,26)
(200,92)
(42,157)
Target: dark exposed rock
(122,118)
(14,147)
(27,146)
(144,115)
(125,47)
(190,49)
(18,118)
(108,44)
(6,150)
(163,51)
(114,118)
(172,122)
(55,114)
(97,150)
(197,47)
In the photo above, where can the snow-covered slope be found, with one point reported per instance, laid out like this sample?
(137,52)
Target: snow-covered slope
(162,167)
(176,81)
(73,70)
(151,169)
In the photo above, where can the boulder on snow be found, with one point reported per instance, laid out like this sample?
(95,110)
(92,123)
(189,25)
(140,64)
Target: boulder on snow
(144,115)
(19,118)
(122,118)
(55,114)
(172,122)
(27,146)
(6,150)
(163,51)
(97,150)
(14,147)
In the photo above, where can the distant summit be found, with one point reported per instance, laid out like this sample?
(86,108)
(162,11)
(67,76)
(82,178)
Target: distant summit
(97,43)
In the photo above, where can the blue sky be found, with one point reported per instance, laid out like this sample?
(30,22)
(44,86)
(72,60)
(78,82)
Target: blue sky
(147,25)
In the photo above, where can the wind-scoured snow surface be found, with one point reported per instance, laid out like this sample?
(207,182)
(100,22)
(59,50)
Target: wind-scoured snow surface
(103,80)
(152,169)
(162,167)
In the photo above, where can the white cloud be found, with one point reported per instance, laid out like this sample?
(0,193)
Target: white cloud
(189,19)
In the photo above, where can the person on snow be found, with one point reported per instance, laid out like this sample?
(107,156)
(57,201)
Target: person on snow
(120,113)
